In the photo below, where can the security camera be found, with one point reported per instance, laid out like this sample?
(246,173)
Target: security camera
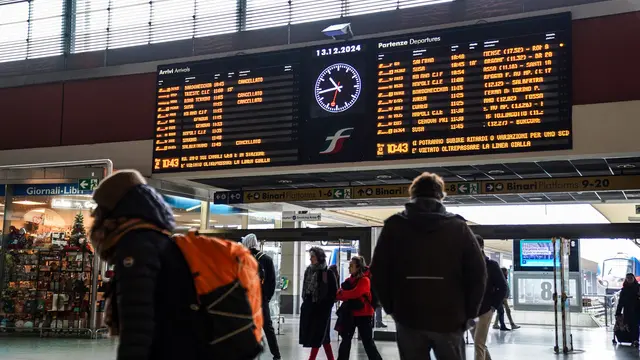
(339,31)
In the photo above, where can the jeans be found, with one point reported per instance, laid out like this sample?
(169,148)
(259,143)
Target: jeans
(379,316)
(480,333)
(500,318)
(269,331)
(364,324)
(417,344)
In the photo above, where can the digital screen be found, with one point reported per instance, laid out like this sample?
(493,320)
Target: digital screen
(483,89)
(536,253)
(222,114)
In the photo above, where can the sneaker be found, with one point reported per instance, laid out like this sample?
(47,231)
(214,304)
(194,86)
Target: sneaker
(514,327)
(381,325)
(497,327)
(505,329)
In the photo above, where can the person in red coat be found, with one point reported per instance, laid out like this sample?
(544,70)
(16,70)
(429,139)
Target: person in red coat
(356,292)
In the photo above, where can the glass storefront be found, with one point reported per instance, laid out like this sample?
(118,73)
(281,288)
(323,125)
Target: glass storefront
(47,260)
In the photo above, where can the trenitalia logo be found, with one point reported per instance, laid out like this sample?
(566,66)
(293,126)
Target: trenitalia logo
(336,141)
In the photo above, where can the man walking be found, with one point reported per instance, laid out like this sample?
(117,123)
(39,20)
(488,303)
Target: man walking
(499,324)
(268,278)
(429,274)
(495,293)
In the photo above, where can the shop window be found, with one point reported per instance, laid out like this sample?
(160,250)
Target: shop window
(47,264)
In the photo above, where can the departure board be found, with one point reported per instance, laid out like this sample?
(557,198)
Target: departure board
(455,93)
(490,88)
(216,115)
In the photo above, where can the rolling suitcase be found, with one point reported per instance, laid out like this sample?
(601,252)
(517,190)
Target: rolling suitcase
(622,333)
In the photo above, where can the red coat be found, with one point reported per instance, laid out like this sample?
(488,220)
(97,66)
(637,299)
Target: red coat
(362,291)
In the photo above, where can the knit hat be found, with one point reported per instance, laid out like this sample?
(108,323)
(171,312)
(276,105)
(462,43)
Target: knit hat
(113,188)
(250,241)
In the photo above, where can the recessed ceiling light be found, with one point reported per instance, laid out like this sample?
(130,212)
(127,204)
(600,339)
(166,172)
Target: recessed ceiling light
(383,177)
(362,204)
(495,172)
(29,203)
(626,166)
(284,181)
(535,199)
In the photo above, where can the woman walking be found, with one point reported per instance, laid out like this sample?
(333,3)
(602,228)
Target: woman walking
(318,296)
(627,315)
(356,293)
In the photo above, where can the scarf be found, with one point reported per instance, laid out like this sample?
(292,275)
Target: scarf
(311,286)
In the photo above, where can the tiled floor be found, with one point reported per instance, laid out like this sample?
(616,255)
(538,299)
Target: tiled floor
(528,343)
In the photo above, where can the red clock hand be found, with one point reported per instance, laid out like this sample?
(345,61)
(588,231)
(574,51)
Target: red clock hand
(333,102)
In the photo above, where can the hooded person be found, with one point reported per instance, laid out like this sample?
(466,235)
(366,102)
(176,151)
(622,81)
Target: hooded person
(152,288)
(627,314)
(428,273)
(268,277)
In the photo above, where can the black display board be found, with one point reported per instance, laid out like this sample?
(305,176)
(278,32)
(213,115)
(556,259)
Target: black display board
(484,89)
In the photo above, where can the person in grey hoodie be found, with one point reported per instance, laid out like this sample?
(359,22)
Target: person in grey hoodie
(429,274)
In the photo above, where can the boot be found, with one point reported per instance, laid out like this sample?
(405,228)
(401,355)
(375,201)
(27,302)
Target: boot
(54,302)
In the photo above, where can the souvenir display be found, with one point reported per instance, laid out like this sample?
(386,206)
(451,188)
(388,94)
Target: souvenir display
(47,281)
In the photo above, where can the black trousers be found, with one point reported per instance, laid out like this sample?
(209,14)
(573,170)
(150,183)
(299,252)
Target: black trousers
(364,324)
(269,331)
(417,344)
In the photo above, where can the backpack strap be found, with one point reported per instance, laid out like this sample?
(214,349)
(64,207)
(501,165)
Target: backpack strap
(259,255)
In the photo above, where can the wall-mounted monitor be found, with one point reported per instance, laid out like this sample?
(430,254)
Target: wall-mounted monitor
(538,255)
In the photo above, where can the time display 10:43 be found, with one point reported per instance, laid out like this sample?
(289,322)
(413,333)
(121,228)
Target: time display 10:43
(338,50)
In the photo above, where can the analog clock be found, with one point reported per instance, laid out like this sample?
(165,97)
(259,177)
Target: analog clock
(338,88)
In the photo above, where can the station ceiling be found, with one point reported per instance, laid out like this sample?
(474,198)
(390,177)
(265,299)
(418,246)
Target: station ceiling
(486,172)
(498,171)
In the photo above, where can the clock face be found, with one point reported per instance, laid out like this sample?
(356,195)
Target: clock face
(338,88)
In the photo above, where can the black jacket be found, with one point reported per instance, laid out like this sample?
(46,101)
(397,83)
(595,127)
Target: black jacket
(628,302)
(153,285)
(427,269)
(269,284)
(497,287)
(315,317)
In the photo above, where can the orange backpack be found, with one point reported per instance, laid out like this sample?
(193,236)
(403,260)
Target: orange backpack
(225,274)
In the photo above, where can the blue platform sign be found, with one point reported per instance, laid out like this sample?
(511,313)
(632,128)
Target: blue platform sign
(48,190)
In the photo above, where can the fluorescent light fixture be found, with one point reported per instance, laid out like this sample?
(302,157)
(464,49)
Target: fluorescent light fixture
(194,207)
(29,202)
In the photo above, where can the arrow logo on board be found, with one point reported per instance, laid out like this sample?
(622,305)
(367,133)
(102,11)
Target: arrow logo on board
(463,188)
(84,184)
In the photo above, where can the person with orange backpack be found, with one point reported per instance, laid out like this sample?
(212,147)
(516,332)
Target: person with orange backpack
(181,297)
